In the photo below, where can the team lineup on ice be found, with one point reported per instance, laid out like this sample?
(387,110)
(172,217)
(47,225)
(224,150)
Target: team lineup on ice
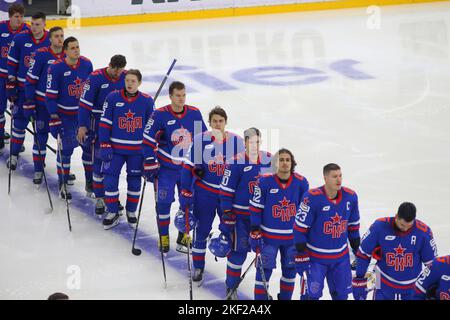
(288,156)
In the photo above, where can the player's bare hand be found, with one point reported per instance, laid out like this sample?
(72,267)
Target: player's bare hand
(82,133)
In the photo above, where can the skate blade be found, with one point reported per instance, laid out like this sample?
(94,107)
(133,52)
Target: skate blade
(181,249)
(112,225)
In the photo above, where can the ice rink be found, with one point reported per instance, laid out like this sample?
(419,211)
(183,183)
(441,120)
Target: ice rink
(333,86)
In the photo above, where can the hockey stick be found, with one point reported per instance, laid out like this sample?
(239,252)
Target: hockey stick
(189,254)
(64,180)
(263,276)
(49,147)
(33,123)
(303,288)
(240,280)
(136,251)
(9,169)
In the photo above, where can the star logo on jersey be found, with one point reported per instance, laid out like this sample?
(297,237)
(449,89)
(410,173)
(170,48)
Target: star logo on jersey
(285,211)
(284,202)
(129,122)
(399,259)
(335,227)
(76,89)
(130,115)
(400,251)
(336,219)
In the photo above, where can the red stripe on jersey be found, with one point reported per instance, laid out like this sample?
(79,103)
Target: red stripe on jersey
(12,63)
(125,147)
(30,80)
(328,256)
(271,236)
(300,229)
(39,98)
(201,185)
(198,258)
(165,159)
(233,273)
(227,194)
(134,200)
(260,291)
(362,255)
(145,141)
(111,200)
(353,228)
(51,95)
(390,284)
(15,140)
(164,223)
(244,213)
(69,113)
(254,209)
(286,287)
(105,125)
(85,106)
(187,166)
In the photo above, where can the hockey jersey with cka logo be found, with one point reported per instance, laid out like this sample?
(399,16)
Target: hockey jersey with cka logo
(326,225)
(434,280)
(65,85)
(239,180)
(21,54)
(123,119)
(97,87)
(209,156)
(400,254)
(274,205)
(6,36)
(36,80)
(168,135)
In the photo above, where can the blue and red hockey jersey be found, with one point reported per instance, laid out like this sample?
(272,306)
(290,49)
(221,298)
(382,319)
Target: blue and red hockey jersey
(171,135)
(239,181)
(21,54)
(96,89)
(211,157)
(435,278)
(36,80)
(123,120)
(400,254)
(65,85)
(6,36)
(326,225)
(273,206)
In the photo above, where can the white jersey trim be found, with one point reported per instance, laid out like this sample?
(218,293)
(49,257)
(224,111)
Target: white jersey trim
(126,141)
(279,231)
(327,250)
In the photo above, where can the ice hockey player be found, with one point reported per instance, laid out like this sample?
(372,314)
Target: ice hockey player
(34,108)
(20,57)
(201,175)
(237,186)
(99,84)
(167,138)
(8,29)
(65,82)
(327,219)
(401,244)
(276,199)
(434,281)
(121,131)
